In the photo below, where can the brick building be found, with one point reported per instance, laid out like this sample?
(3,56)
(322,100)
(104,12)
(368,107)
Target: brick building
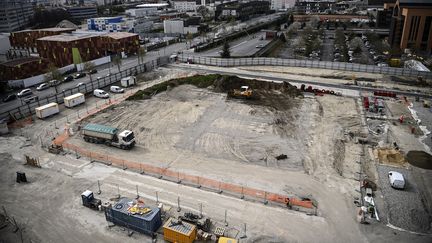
(117,42)
(411,25)
(26,39)
(62,49)
(23,68)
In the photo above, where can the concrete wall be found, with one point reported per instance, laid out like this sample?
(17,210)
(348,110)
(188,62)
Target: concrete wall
(95,62)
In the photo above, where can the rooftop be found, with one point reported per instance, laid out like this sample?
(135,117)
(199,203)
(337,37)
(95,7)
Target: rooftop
(120,35)
(69,37)
(54,29)
(16,62)
(152,5)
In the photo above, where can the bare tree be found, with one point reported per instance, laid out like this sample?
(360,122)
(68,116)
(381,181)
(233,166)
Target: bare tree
(313,22)
(141,55)
(117,61)
(203,11)
(88,66)
(53,74)
(356,44)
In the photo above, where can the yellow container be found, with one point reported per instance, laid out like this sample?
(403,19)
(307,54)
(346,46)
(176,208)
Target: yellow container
(395,62)
(226,240)
(179,232)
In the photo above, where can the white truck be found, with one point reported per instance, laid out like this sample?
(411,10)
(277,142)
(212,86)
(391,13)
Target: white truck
(128,81)
(47,110)
(74,100)
(95,133)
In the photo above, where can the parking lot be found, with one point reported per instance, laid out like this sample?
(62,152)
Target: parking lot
(404,208)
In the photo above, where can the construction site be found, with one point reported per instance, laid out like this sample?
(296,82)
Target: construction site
(190,155)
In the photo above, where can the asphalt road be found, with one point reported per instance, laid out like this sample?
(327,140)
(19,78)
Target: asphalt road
(246,46)
(103,70)
(328,46)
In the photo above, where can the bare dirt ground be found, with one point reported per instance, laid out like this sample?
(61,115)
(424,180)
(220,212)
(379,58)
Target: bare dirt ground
(203,133)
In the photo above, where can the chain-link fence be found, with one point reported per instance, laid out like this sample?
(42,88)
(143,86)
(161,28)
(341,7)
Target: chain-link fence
(29,109)
(267,61)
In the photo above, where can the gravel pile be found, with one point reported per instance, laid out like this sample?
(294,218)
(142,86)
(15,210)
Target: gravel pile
(405,208)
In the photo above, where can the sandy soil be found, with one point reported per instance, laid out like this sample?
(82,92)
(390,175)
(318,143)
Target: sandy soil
(202,133)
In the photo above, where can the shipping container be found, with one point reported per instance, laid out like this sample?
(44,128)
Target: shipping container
(226,240)
(99,131)
(47,110)
(128,81)
(74,100)
(179,231)
(143,219)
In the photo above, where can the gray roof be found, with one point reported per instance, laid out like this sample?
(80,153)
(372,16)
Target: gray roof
(123,204)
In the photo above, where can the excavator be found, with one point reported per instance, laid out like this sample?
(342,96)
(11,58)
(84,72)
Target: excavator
(243,92)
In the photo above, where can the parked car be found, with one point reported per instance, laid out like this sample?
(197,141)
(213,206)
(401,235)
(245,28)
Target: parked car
(260,46)
(93,71)
(42,86)
(79,75)
(53,82)
(68,78)
(80,84)
(116,89)
(10,97)
(100,93)
(396,180)
(24,92)
(31,99)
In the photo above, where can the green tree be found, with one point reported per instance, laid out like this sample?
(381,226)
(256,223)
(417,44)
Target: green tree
(88,66)
(203,11)
(226,52)
(53,73)
(117,61)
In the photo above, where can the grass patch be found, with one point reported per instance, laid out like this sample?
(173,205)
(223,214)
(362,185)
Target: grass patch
(200,81)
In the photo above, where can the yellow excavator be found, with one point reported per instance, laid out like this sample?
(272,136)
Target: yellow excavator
(243,92)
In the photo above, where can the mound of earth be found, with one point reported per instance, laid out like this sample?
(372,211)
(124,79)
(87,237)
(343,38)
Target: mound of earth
(220,83)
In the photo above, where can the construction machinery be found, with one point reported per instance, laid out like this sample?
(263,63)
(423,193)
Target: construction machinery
(89,200)
(243,92)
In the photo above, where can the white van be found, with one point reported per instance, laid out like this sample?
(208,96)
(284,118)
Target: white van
(100,94)
(396,180)
(116,89)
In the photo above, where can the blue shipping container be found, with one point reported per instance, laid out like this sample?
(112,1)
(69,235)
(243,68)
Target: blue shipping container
(146,224)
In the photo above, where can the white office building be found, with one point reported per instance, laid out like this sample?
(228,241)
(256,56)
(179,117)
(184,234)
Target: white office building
(185,5)
(173,26)
(278,5)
